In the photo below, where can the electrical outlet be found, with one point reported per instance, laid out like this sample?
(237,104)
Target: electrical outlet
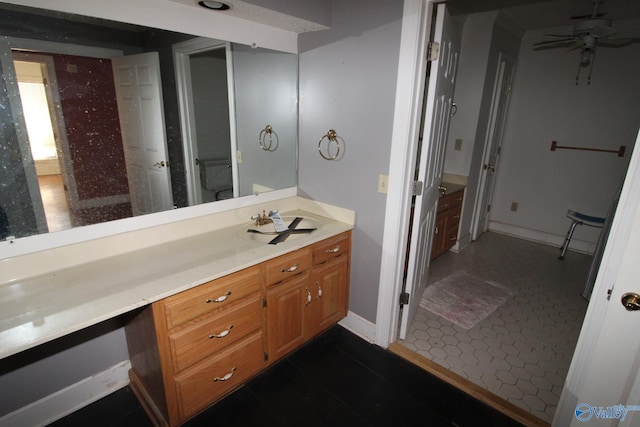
(514,207)
(239,157)
(383,183)
(458,145)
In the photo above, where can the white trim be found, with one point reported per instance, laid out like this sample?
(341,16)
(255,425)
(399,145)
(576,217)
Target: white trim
(63,402)
(359,326)
(233,124)
(406,126)
(41,242)
(541,237)
(181,53)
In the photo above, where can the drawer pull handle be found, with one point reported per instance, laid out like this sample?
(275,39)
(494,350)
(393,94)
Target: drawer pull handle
(227,377)
(290,269)
(453,239)
(319,290)
(221,298)
(222,334)
(309,297)
(456,217)
(334,250)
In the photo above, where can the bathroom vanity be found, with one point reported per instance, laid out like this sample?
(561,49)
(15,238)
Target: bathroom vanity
(205,304)
(447,224)
(192,348)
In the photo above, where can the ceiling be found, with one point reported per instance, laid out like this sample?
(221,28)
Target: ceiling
(536,14)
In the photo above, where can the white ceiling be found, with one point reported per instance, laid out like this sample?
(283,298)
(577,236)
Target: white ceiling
(534,14)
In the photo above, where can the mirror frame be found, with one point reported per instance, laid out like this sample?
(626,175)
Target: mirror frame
(194,22)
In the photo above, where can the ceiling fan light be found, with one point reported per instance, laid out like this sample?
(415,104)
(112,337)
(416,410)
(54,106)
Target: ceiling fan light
(585,58)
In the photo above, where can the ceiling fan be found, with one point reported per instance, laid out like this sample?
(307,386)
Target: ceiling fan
(589,31)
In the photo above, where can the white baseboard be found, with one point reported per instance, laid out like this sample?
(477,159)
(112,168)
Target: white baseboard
(359,326)
(541,237)
(69,399)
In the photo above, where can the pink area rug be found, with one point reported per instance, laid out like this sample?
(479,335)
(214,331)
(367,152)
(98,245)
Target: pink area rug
(464,299)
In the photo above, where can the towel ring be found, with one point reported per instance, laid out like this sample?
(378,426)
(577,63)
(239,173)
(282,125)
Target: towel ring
(262,139)
(331,136)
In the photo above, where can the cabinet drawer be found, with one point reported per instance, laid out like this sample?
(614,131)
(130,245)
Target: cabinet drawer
(443,203)
(210,380)
(331,248)
(287,266)
(454,216)
(214,333)
(211,296)
(455,199)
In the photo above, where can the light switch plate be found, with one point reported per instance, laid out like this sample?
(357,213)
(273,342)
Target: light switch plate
(383,183)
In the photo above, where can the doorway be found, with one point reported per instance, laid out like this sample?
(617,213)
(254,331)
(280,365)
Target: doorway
(57,93)
(204,67)
(558,218)
(34,84)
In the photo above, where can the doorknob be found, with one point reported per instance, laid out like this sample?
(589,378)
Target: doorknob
(161,164)
(490,167)
(631,301)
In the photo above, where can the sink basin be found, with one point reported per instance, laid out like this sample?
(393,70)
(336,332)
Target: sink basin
(269,230)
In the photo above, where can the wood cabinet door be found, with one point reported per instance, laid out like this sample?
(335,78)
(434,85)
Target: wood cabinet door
(437,246)
(287,318)
(330,293)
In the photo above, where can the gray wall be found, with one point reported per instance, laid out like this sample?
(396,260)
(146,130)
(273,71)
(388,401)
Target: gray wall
(347,83)
(43,370)
(265,85)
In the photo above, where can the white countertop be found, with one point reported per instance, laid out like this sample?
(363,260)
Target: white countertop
(40,308)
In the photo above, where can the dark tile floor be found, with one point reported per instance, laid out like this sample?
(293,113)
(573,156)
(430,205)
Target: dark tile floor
(336,380)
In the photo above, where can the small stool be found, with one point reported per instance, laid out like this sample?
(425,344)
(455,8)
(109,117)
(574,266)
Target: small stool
(579,219)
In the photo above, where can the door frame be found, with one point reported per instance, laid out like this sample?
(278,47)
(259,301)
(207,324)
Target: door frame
(416,26)
(181,53)
(478,206)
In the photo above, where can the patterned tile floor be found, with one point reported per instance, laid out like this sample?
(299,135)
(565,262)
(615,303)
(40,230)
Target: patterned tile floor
(522,351)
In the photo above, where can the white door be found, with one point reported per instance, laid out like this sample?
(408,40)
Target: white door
(493,142)
(604,378)
(140,106)
(435,126)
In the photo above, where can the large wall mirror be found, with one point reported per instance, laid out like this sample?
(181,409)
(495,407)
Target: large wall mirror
(102,121)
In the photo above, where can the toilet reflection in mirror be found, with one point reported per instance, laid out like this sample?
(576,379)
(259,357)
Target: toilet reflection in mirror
(98,152)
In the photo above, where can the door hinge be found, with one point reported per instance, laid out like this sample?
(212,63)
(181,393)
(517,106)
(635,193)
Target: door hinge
(417,188)
(433,50)
(499,150)
(264,302)
(266,356)
(404,298)
(488,208)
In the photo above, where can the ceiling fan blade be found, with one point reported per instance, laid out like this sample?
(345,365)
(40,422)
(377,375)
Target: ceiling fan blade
(558,35)
(618,42)
(598,15)
(554,42)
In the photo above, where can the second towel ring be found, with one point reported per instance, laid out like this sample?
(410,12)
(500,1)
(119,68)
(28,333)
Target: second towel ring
(262,139)
(331,136)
